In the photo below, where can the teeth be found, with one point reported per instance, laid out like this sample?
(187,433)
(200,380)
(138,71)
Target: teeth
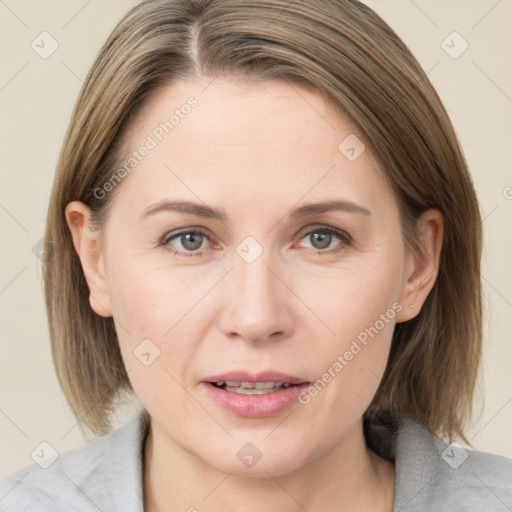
(254,388)
(252,385)
(260,385)
(253,391)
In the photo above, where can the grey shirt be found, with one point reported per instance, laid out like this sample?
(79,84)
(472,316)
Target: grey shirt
(105,475)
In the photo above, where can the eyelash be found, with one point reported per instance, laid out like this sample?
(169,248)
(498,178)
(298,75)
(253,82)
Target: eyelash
(342,235)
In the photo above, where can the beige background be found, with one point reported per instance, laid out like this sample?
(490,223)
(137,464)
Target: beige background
(36,99)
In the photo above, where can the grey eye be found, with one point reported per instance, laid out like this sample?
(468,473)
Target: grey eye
(191,241)
(321,239)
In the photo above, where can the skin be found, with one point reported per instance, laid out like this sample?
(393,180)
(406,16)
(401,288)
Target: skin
(256,150)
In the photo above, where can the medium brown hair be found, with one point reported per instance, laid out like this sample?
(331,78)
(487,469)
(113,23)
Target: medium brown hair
(344,51)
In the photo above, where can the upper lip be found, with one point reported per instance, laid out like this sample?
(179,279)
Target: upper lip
(264,376)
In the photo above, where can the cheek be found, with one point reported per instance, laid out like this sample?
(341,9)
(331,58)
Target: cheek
(359,308)
(156,308)
(149,298)
(353,297)
(150,309)
(349,372)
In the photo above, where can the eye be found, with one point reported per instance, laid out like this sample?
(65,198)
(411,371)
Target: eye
(192,240)
(321,238)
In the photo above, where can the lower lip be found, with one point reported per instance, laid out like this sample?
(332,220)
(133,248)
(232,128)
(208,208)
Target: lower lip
(255,406)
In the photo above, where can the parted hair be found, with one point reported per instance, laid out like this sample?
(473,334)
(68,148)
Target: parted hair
(347,53)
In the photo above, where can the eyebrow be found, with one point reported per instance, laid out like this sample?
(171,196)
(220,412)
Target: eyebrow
(208,212)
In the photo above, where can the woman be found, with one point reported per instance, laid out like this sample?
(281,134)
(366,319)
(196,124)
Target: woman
(262,224)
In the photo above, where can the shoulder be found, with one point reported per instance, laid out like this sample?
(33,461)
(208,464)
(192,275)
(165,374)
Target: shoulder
(432,475)
(93,476)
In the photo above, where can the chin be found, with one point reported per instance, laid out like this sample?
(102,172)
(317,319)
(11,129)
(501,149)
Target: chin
(249,461)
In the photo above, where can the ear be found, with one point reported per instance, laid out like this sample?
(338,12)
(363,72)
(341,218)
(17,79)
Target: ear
(421,268)
(87,243)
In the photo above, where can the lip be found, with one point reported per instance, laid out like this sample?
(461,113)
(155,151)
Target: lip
(264,376)
(255,406)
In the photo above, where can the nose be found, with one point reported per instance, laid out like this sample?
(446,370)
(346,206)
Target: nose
(257,303)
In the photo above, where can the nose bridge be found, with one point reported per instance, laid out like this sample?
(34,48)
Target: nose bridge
(257,303)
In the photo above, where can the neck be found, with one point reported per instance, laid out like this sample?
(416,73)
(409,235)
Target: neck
(347,477)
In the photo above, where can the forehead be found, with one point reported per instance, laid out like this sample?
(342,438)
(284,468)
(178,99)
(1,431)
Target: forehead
(249,143)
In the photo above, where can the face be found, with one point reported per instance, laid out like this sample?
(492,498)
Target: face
(263,286)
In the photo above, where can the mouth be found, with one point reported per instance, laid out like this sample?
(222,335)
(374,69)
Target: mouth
(260,395)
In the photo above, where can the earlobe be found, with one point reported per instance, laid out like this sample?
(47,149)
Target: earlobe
(422,266)
(87,244)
